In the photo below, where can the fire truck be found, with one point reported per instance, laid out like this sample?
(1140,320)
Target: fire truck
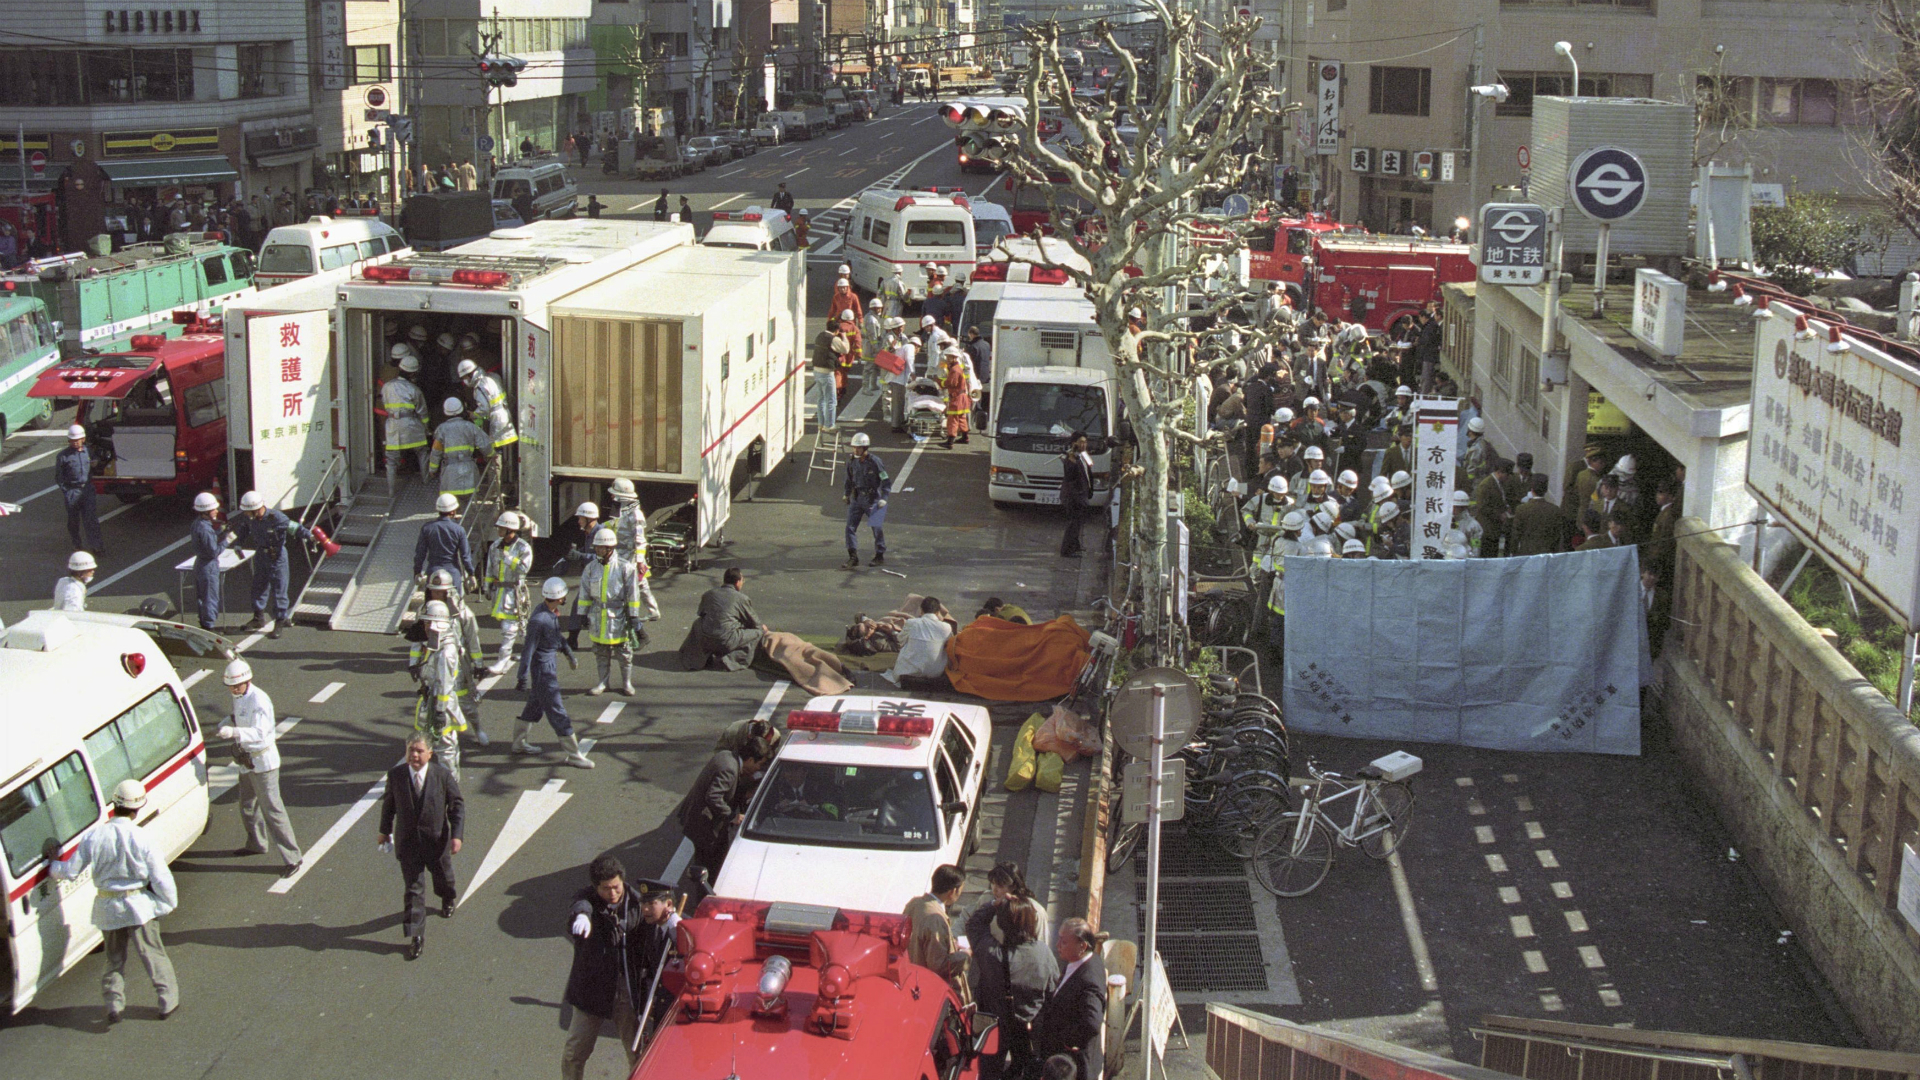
(1382,281)
(773,991)
(1278,253)
(156,411)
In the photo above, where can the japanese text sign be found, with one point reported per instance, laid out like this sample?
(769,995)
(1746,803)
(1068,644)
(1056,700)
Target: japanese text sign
(1435,437)
(1327,108)
(289,419)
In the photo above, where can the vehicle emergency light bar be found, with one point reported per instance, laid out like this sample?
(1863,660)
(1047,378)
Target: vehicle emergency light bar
(858,723)
(742,215)
(143,342)
(484,279)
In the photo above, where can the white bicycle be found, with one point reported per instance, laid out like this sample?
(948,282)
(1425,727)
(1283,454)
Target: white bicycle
(1293,853)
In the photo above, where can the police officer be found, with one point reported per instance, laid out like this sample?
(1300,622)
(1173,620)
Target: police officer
(866,491)
(538,667)
(629,523)
(70,592)
(490,404)
(204,535)
(133,891)
(263,814)
(406,409)
(459,449)
(465,629)
(508,560)
(612,599)
(443,543)
(73,472)
(1262,515)
(264,530)
(621,935)
(437,713)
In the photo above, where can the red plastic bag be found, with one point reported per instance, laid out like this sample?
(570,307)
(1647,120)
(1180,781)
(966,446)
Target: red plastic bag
(889,361)
(1064,733)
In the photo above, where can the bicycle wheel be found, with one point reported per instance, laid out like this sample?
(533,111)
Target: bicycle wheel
(1247,809)
(1126,840)
(1289,865)
(1395,803)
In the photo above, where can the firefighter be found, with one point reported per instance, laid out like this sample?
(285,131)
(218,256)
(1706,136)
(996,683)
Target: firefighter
(490,402)
(437,713)
(1262,514)
(893,294)
(630,524)
(508,560)
(406,408)
(872,338)
(265,531)
(1287,543)
(613,603)
(459,450)
(465,630)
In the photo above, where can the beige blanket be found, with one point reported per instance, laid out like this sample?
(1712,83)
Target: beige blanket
(812,668)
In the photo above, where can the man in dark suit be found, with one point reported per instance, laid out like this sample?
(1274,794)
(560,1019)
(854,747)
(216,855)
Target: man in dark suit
(1076,491)
(708,814)
(423,801)
(726,630)
(1071,1019)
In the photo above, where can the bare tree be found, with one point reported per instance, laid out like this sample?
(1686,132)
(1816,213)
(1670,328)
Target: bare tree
(1893,94)
(1723,111)
(1125,179)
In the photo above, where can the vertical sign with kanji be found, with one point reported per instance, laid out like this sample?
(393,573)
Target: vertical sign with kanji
(1435,434)
(1326,114)
(333,44)
(290,417)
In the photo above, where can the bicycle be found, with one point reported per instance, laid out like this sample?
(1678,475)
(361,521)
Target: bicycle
(1292,855)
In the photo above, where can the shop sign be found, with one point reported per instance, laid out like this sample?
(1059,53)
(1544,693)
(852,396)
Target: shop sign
(178,141)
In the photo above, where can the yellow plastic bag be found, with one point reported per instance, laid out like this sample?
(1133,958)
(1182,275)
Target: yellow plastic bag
(1020,770)
(1047,777)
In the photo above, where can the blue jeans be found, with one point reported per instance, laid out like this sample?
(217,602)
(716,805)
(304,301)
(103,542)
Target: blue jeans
(876,518)
(826,400)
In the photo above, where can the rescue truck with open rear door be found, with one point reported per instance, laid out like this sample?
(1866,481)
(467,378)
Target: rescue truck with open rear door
(777,990)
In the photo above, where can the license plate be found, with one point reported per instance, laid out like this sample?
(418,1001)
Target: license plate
(1047,498)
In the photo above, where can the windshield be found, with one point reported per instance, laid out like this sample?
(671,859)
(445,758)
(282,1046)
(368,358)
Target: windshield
(1051,409)
(929,233)
(834,805)
(978,313)
(286,259)
(985,233)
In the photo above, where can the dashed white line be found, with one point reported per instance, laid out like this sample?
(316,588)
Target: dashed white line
(43,491)
(190,680)
(1576,922)
(608,714)
(1509,894)
(1590,956)
(683,854)
(1546,858)
(142,564)
(730,172)
(320,847)
(1483,833)
(1535,832)
(117,511)
(1497,863)
(851,150)
(724,202)
(26,461)
(1563,890)
(1523,804)
(326,693)
(791,152)
(1536,961)
(797,172)
(1610,998)
(1521,925)
(1551,1002)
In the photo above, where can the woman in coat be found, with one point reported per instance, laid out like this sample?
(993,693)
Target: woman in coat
(1031,974)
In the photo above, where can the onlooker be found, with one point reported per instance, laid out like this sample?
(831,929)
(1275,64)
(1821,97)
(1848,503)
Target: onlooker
(930,941)
(708,816)
(1070,1020)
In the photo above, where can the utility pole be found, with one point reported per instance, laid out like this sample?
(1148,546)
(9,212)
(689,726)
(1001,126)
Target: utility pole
(1473,130)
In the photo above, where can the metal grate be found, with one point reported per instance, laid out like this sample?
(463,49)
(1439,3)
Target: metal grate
(1198,907)
(1184,856)
(1214,962)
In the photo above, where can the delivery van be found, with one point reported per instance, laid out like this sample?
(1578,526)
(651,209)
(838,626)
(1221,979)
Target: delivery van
(1052,376)
(291,252)
(547,182)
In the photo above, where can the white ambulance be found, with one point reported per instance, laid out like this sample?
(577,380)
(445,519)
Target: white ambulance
(906,230)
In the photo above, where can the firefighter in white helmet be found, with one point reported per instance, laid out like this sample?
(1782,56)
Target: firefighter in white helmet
(406,412)
(460,448)
(1287,543)
(629,523)
(1261,514)
(612,605)
(438,714)
(1465,523)
(496,417)
(70,592)
(509,558)
(540,676)
(465,630)
(263,813)
(133,890)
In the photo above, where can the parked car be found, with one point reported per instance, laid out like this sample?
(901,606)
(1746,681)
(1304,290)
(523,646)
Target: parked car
(702,151)
(742,142)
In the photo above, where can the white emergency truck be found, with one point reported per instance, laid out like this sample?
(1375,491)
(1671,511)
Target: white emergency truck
(1052,376)
(907,230)
(87,705)
(1017,260)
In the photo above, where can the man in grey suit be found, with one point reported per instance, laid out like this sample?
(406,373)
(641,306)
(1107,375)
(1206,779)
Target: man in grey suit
(708,815)
(1072,1018)
(727,630)
(423,801)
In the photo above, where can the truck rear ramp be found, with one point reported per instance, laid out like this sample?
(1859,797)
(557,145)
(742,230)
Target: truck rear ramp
(370,594)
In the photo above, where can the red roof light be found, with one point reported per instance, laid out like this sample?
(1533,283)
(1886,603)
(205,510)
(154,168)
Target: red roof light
(749,217)
(133,663)
(1048,275)
(902,203)
(143,342)
(486,279)
(858,723)
(995,270)
(386,273)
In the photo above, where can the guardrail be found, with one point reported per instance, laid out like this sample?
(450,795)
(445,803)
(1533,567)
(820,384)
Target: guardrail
(1243,1045)
(1554,1050)
(1813,769)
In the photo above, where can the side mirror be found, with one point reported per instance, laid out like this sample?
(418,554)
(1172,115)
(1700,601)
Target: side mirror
(986,1041)
(954,806)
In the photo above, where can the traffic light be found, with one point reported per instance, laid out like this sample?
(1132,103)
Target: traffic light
(1423,164)
(501,70)
(987,147)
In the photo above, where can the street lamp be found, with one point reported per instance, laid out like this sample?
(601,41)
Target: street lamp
(1497,93)
(1565,48)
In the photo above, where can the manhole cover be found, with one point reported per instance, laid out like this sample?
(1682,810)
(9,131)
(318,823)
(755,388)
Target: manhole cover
(1198,907)
(1214,962)
(1181,856)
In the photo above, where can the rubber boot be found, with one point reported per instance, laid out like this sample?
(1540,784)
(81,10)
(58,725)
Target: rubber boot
(521,744)
(601,686)
(479,733)
(626,678)
(393,477)
(571,744)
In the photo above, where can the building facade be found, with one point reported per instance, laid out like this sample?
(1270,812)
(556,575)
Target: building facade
(456,117)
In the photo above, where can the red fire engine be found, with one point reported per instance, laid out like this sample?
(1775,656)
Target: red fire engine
(1381,281)
(1277,253)
(778,991)
(159,410)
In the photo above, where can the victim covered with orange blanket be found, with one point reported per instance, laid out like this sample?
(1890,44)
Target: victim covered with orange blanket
(1007,661)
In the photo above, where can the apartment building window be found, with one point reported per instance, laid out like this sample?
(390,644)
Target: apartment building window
(371,63)
(1807,102)
(1398,91)
(1524,86)
(1502,370)
(1526,391)
(259,75)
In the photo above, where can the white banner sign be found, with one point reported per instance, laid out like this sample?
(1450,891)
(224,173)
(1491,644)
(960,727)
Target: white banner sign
(1435,439)
(1327,109)
(333,44)
(290,415)
(1162,1011)
(1828,453)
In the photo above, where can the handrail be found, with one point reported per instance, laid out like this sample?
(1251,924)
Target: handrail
(1639,1043)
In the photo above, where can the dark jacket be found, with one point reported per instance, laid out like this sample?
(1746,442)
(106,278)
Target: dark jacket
(1070,1020)
(267,534)
(620,944)
(708,809)
(726,629)
(867,480)
(1076,480)
(1538,528)
(544,642)
(428,822)
(442,543)
(73,472)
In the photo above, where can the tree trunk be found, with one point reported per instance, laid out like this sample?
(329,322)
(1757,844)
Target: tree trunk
(1152,549)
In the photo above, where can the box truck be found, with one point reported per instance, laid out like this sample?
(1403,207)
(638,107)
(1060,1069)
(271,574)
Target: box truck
(1052,376)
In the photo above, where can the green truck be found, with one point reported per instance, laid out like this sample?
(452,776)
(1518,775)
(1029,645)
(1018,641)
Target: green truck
(101,301)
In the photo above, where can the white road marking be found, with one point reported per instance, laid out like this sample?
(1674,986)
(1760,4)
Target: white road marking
(851,150)
(1483,833)
(730,172)
(1509,894)
(249,642)
(991,184)
(724,202)
(1590,956)
(222,778)
(1576,922)
(1536,961)
(43,491)
(332,836)
(1546,858)
(608,714)
(327,692)
(1610,998)
(49,433)
(790,153)
(190,680)
(1552,1003)
(1521,925)
(161,554)
(1535,832)
(532,811)
(774,693)
(1403,893)
(1497,863)
(117,511)
(1562,890)
(797,172)
(26,461)
(907,469)
(924,119)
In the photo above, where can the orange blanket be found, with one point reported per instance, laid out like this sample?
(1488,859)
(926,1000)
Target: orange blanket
(1005,661)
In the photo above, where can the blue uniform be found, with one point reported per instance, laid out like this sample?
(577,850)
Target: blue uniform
(266,535)
(544,640)
(443,543)
(207,544)
(73,471)
(867,486)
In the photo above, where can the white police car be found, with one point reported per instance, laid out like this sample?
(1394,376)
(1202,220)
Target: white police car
(865,797)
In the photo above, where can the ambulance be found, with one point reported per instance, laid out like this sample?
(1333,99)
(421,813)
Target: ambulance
(89,703)
(906,230)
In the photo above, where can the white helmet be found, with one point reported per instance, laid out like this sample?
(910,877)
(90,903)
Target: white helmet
(587,510)
(1323,522)
(1403,391)
(1461,498)
(1624,467)
(926,320)
(410,364)
(507,520)
(453,406)
(436,614)
(846,315)
(1320,547)
(605,537)
(1353,547)
(1345,531)
(1319,477)
(1476,425)
(860,439)
(622,490)
(1277,485)
(252,501)
(1380,488)
(447,503)
(1388,511)
(129,795)
(895,323)
(204,502)
(1294,521)
(469,340)
(1311,402)
(441,578)
(400,351)
(1313,453)
(75,431)
(847,271)
(417,332)
(465,370)
(81,560)
(1349,478)
(554,589)
(875,303)
(1135,313)
(1455,536)
(446,340)
(1401,478)
(239,671)
(1457,553)
(1282,415)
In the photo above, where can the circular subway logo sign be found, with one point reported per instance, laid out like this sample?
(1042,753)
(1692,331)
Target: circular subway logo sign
(1608,184)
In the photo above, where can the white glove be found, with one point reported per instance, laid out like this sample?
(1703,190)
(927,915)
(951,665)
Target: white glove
(582,926)
(225,732)
(882,504)
(653,609)
(384,849)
